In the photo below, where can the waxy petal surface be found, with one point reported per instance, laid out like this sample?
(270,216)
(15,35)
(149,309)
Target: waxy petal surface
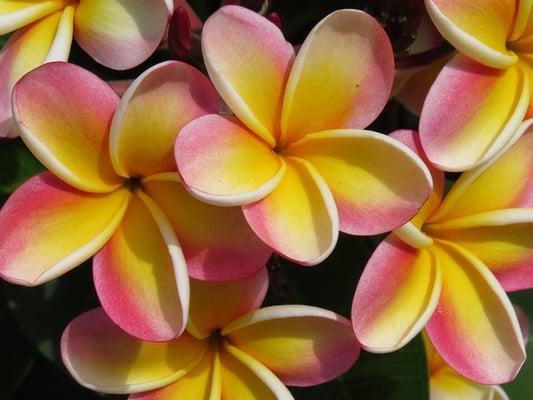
(447,384)
(119,34)
(151,113)
(63,113)
(215,304)
(471,113)
(477,28)
(299,219)
(102,357)
(48,228)
(141,276)
(217,242)
(474,328)
(302,345)
(248,60)
(396,295)
(15,14)
(378,183)
(341,78)
(223,163)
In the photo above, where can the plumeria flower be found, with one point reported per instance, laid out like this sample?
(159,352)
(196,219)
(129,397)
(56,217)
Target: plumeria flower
(232,349)
(118,34)
(111,192)
(447,384)
(447,269)
(293,155)
(482,95)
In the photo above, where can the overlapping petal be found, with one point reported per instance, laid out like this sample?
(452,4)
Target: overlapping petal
(504,182)
(447,384)
(471,113)
(102,357)
(474,328)
(63,113)
(396,295)
(215,304)
(342,76)
(378,183)
(299,218)
(48,228)
(15,14)
(302,345)
(248,60)
(217,242)
(120,34)
(243,377)
(151,113)
(478,28)
(223,163)
(141,276)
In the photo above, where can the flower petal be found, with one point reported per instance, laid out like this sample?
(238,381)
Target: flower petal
(478,28)
(501,239)
(446,384)
(223,163)
(60,48)
(243,377)
(119,34)
(342,76)
(151,113)
(141,277)
(396,296)
(302,345)
(215,304)
(48,228)
(471,112)
(201,383)
(25,50)
(100,356)
(63,113)
(474,328)
(15,14)
(196,22)
(299,218)
(378,183)
(217,242)
(248,60)
(504,182)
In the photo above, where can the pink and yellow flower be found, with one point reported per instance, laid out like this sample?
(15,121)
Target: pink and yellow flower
(117,34)
(113,192)
(231,350)
(294,155)
(482,95)
(448,269)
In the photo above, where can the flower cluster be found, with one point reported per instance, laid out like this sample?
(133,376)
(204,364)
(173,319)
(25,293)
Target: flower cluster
(181,186)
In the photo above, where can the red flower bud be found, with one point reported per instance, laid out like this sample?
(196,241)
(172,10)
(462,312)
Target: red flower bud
(179,33)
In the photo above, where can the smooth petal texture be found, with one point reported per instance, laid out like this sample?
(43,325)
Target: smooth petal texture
(201,383)
(60,48)
(223,163)
(48,228)
(244,378)
(299,219)
(120,34)
(63,113)
(25,50)
(504,182)
(342,76)
(215,304)
(378,183)
(478,28)
(446,384)
(17,14)
(302,345)
(151,113)
(396,295)
(102,357)
(217,242)
(474,328)
(196,22)
(501,239)
(471,112)
(141,277)
(248,60)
